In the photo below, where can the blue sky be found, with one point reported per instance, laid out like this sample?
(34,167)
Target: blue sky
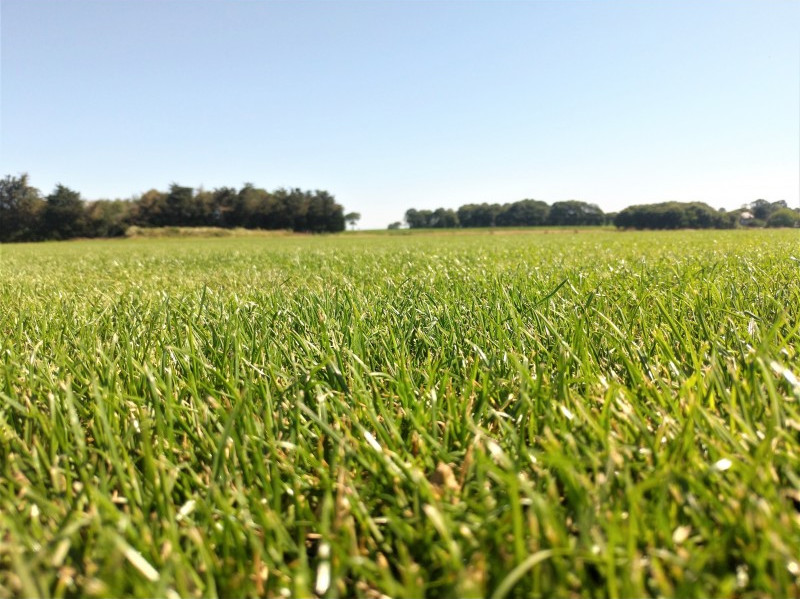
(392,105)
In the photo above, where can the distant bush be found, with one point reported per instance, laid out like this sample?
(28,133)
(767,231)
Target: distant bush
(674,215)
(784,217)
(524,213)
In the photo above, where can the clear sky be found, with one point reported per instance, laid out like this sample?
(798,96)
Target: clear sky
(397,104)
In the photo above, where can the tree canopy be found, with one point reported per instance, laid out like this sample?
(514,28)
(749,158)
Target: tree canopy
(574,213)
(21,208)
(27,216)
(524,213)
(352,218)
(674,215)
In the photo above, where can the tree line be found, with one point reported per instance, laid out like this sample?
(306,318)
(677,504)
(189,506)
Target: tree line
(27,215)
(697,215)
(572,213)
(524,213)
(674,215)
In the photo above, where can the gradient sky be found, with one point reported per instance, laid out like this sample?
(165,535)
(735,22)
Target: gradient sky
(392,105)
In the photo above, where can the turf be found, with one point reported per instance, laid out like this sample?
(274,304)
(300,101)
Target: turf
(561,414)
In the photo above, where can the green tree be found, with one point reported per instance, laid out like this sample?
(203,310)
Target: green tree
(21,207)
(524,213)
(150,209)
(227,209)
(108,218)
(444,218)
(181,208)
(479,215)
(418,219)
(674,215)
(352,218)
(330,214)
(784,217)
(64,214)
(573,213)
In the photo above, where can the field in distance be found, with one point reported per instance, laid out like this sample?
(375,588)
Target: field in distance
(472,415)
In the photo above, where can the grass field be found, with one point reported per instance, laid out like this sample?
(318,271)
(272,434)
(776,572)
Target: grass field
(592,414)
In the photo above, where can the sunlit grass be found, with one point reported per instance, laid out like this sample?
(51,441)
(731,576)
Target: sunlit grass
(593,414)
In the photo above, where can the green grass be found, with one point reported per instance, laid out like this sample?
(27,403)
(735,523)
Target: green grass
(594,414)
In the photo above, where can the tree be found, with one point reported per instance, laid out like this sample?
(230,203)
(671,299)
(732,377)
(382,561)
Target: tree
(205,212)
(479,215)
(760,209)
(573,213)
(150,209)
(418,219)
(674,215)
(64,214)
(260,209)
(108,218)
(25,216)
(181,209)
(352,218)
(525,213)
(784,217)
(444,218)
(324,214)
(226,207)
(21,208)
(395,225)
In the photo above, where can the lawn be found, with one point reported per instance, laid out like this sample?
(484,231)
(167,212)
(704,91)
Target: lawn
(562,413)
